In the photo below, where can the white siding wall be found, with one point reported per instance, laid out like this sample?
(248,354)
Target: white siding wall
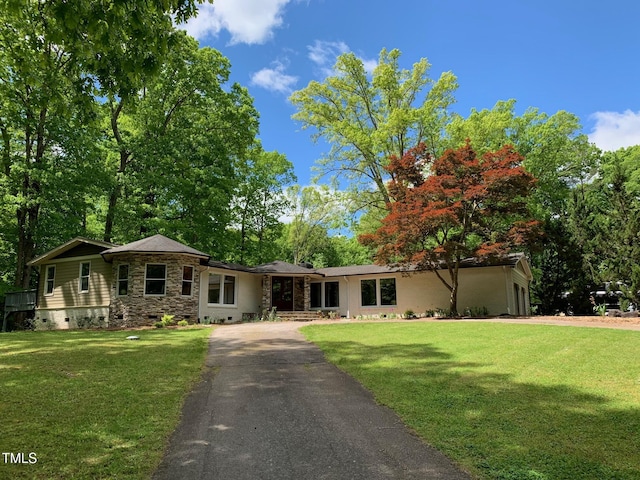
(248,296)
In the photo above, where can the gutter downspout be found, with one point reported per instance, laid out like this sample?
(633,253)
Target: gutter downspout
(346,279)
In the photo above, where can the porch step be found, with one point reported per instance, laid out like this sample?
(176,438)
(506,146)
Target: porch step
(299,316)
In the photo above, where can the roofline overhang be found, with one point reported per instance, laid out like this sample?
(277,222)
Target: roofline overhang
(51,254)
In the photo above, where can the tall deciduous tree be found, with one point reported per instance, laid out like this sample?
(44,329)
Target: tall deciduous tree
(46,106)
(314,212)
(175,147)
(54,54)
(464,207)
(367,119)
(258,205)
(605,222)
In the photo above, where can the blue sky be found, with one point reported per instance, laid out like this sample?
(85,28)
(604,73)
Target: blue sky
(581,57)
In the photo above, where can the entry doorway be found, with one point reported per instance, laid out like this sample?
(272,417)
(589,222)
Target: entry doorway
(282,293)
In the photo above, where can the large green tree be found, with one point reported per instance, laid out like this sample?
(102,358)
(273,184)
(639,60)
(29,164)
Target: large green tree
(259,203)
(53,57)
(46,110)
(174,149)
(605,223)
(314,212)
(366,119)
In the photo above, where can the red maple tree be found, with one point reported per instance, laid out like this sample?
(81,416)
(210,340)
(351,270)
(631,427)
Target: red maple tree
(452,208)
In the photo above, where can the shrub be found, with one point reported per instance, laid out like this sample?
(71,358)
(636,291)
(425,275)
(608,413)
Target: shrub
(600,309)
(167,320)
(270,315)
(409,314)
(183,323)
(476,312)
(158,324)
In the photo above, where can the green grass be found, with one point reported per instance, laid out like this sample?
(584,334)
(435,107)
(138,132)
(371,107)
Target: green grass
(505,401)
(91,404)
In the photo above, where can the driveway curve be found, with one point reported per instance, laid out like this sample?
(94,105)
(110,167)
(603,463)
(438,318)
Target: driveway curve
(270,407)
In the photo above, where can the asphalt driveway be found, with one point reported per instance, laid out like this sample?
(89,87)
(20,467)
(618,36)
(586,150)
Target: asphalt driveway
(270,407)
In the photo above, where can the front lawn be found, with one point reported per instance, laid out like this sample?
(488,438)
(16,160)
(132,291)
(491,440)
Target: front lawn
(91,404)
(510,402)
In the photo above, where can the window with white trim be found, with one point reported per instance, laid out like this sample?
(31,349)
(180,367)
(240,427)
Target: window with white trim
(388,291)
(187,280)
(316,295)
(49,279)
(155,279)
(222,289)
(83,281)
(378,292)
(123,280)
(325,294)
(331,294)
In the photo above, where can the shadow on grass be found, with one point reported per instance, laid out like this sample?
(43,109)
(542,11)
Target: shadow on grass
(93,404)
(498,427)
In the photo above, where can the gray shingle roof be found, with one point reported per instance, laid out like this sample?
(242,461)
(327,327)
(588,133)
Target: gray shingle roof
(509,260)
(356,270)
(284,268)
(155,244)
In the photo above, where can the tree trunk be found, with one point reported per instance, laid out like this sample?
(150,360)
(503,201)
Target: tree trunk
(27,219)
(453,300)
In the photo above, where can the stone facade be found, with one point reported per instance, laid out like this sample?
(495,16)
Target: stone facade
(301,293)
(136,308)
(266,292)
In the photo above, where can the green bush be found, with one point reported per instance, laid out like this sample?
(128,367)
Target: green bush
(183,323)
(409,314)
(158,324)
(167,320)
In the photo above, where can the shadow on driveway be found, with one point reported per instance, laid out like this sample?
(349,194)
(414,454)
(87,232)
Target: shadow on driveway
(270,407)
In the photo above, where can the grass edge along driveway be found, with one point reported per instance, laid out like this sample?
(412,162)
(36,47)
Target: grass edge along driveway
(92,404)
(505,401)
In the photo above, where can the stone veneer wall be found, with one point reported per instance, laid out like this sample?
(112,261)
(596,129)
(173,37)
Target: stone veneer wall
(136,308)
(298,294)
(266,292)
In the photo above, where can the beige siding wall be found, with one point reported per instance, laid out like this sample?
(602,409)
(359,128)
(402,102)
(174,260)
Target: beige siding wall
(488,287)
(66,291)
(69,318)
(248,297)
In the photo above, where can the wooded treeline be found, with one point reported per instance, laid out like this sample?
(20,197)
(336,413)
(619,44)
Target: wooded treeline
(114,125)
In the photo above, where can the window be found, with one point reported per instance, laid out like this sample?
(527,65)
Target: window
(368,292)
(316,295)
(155,279)
(123,280)
(222,289)
(187,280)
(214,288)
(331,294)
(83,283)
(388,291)
(383,289)
(229,292)
(51,275)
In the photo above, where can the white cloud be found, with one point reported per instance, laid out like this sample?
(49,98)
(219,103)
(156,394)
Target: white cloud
(248,21)
(614,130)
(324,55)
(274,79)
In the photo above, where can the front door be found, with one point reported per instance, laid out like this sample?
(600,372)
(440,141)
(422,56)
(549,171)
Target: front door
(282,293)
